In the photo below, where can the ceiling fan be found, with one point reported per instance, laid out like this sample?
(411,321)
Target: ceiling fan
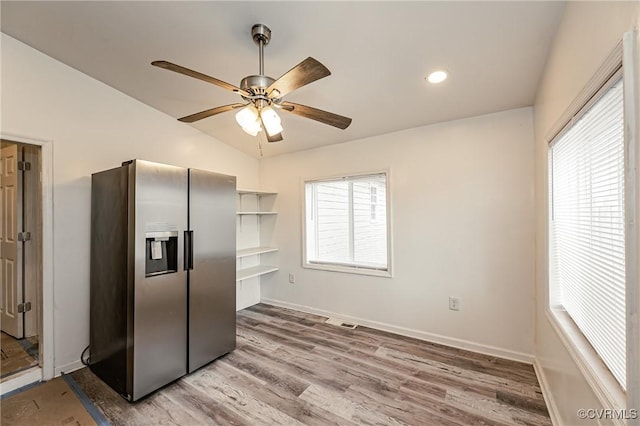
(262,94)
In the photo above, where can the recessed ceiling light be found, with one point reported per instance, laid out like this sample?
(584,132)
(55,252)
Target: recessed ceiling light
(437,77)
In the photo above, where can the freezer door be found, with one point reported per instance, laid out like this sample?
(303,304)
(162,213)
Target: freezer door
(212,282)
(160,289)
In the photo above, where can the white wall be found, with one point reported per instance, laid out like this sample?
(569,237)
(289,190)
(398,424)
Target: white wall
(462,196)
(93,127)
(587,34)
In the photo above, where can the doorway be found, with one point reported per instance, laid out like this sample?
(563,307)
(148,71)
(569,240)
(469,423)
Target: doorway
(21,263)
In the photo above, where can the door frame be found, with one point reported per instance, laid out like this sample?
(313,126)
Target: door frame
(46,336)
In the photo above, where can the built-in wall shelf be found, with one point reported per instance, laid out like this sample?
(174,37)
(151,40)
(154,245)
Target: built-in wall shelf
(254,192)
(254,256)
(254,251)
(254,271)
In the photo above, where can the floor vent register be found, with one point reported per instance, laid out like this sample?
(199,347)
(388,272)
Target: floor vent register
(340,323)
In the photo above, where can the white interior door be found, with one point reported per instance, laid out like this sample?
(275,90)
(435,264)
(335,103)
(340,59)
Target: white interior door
(10,268)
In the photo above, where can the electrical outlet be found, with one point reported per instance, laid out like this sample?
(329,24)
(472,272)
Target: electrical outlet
(454,303)
(292,278)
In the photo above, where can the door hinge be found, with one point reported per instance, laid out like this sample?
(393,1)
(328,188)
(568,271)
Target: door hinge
(24,236)
(24,307)
(24,165)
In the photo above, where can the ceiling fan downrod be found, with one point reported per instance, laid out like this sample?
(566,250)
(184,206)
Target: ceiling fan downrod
(256,85)
(261,36)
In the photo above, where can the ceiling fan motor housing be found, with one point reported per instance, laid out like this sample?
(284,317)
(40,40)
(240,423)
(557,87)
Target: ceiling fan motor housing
(257,85)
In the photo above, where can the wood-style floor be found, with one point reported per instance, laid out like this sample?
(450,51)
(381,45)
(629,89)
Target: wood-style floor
(17,355)
(292,368)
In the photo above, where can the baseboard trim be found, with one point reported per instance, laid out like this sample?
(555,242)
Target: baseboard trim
(552,407)
(68,368)
(417,334)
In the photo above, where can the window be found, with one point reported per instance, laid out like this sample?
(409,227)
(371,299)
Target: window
(346,226)
(587,226)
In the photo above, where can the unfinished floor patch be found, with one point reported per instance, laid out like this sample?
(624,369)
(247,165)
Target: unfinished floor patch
(50,403)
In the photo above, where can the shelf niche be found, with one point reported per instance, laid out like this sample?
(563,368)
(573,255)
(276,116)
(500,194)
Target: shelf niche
(253,258)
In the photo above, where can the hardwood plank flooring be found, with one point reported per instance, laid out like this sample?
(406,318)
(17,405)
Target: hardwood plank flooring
(17,355)
(291,368)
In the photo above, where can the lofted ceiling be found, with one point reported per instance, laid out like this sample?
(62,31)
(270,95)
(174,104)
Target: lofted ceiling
(378,53)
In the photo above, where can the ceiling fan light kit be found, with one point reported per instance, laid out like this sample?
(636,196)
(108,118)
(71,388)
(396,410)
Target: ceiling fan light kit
(248,119)
(261,93)
(271,121)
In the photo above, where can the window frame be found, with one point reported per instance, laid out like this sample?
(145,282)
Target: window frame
(598,376)
(348,268)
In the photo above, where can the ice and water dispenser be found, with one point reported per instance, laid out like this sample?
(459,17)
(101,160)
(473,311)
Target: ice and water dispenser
(161,253)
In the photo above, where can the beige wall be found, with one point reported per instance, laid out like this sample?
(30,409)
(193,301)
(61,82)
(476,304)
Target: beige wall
(587,34)
(93,127)
(462,200)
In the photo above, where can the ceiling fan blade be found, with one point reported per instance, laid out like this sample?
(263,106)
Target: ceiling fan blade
(325,117)
(274,138)
(195,74)
(208,113)
(302,74)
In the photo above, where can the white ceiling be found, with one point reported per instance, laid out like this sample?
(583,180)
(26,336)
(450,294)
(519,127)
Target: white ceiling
(378,53)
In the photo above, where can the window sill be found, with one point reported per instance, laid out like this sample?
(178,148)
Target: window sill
(348,270)
(595,372)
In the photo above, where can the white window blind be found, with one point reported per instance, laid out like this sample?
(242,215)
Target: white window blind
(346,222)
(587,214)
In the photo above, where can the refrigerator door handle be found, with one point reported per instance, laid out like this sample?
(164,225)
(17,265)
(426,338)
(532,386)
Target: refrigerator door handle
(188,250)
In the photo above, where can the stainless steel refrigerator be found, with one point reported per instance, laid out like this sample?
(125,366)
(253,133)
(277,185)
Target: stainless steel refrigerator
(163,293)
